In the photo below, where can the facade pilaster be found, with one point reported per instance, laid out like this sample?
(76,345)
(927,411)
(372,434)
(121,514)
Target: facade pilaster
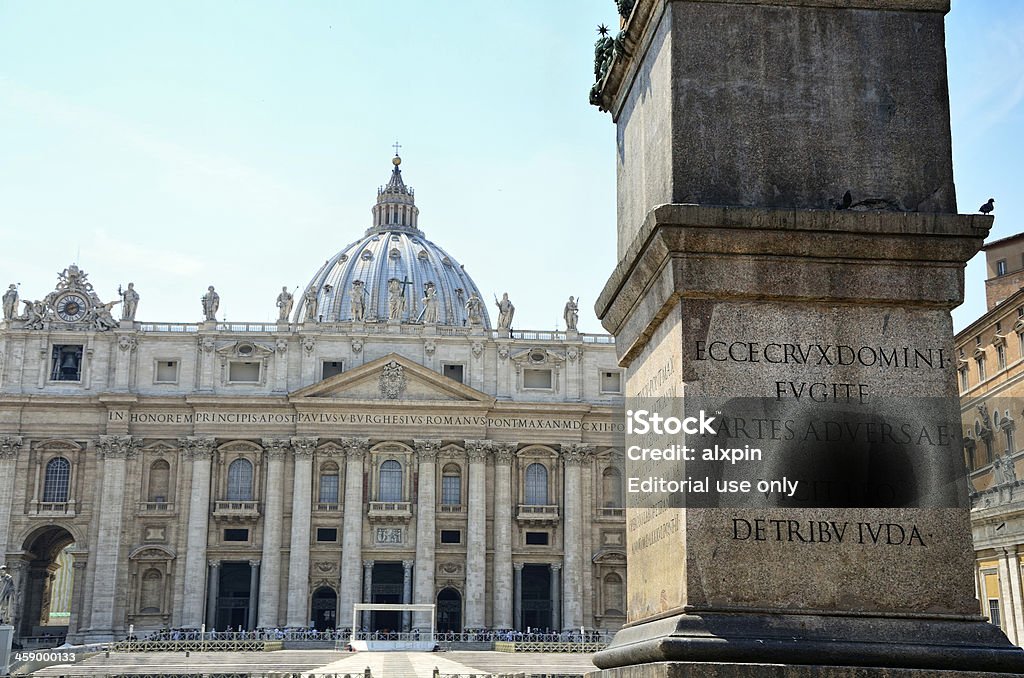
(518,596)
(115,452)
(352,525)
(79,560)
(502,606)
(476,539)
(573,458)
(275,449)
(213,593)
(298,559)
(406,590)
(426,504)
(10,446)
(367,590)
(200,451)
(254,588)
(1010,593)
(556,596)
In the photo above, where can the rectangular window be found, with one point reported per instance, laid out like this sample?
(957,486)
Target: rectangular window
(964,380)
(67,363)
(981,369)
(451,490)
(1001,356)
(611,381)
(993,611)
(331,368)
(537,378)
(1001,267)
(166,372)
(236,534)
(328,489)
(453,371)
(327,534)
(451,536)
(536,538)
(244,371)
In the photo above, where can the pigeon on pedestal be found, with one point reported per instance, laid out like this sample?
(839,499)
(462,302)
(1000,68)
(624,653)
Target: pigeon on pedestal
(988,207)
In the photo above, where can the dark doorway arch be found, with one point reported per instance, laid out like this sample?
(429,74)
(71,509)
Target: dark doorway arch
(46,598)
(325,608)
(536,597)
(449,611)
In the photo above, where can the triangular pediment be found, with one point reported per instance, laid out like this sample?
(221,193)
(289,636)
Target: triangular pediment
(392,377)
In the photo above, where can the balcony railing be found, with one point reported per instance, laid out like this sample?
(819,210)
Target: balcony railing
(327,506)
(236,510)
(537,513)
(156,507)
(451,508)
(389,511)
(611,512)
(55,508)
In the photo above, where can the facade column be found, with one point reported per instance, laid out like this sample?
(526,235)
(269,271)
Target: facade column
(213,592)
(1010,592)
(518,596)
(406,591)
(115,452)
(78,564)
(200,451)
(367,590)
(476,539)
(556,596)
(352,526)
(273,518)
(426,505)
(254,596)
(298,558)
(502,606)
(9,448)
(573,458)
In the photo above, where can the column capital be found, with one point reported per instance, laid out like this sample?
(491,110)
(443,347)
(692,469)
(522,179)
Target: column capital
(118,447)
(518,567)
(356,448)
(304,446)
(504,452)
(367,564)
(197,448)
(555,567)
(426,450)
(275,448)
(10,446)
(408,564)
(255,563)
(575,454)
(213,563)
(477,450)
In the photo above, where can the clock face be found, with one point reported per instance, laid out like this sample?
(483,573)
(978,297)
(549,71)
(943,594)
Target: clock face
(71,307)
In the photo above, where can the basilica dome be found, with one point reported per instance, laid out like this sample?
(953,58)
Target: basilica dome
(393,255)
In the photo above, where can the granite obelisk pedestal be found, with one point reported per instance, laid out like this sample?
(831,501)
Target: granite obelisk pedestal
(746,272)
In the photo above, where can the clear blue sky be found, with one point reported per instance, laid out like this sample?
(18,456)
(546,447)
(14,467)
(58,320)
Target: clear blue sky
(240,144)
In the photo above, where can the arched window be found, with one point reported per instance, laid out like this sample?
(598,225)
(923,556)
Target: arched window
(451,485)
(537,484)
(614,602)
(329,483)
(390,482)
(159,481)
(240,480)
(57,481)
(152,592)
(612,485)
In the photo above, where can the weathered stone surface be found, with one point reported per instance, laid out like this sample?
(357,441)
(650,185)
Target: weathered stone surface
(718,670)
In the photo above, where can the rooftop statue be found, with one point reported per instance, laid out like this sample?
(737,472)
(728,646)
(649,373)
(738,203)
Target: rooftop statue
(505,312)
(285,301)
(211,302)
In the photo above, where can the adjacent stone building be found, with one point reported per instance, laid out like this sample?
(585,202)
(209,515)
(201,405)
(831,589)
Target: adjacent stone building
(381,442)
(991,376)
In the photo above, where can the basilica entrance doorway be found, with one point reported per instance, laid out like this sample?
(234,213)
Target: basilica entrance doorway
(46,608)
(234,596)
(449,611)
(325,608)
(387,588)
(536,597)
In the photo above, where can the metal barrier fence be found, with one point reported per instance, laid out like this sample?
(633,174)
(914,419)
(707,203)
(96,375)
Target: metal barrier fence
(197,645)
(344,635)
(363,674)
(438,674)
(549,646)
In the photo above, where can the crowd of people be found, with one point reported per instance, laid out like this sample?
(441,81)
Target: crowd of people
(313,634)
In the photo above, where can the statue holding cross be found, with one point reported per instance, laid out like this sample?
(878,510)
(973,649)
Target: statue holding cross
(396,297)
